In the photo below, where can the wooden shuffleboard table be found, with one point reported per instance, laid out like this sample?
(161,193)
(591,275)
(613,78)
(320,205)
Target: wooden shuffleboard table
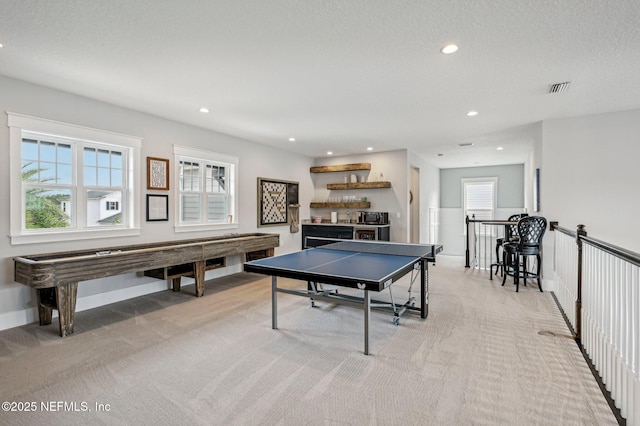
(55,276)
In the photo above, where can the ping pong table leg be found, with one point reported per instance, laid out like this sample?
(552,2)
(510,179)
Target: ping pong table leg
(424,289)
(274,302)
(367,310)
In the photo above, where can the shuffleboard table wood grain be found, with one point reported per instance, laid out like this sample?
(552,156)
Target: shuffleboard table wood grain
(55,276)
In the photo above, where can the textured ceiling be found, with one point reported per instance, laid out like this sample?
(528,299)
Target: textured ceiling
(339,75)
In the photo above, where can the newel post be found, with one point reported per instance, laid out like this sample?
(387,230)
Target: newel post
(580,232)
(466,252)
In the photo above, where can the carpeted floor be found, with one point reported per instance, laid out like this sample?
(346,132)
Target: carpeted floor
(485,356)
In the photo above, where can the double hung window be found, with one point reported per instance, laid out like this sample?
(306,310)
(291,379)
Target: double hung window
(207,188)
(480,198)
(70,182)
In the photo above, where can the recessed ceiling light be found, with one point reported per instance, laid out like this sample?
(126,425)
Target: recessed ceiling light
(449,48)
(329,152)
(1,45)
(292,139)
(472,113)
(499,148)
(370,148)
(204,110)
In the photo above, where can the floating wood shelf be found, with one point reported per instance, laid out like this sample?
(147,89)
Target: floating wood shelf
(341,168)
(345,205)
(359,185)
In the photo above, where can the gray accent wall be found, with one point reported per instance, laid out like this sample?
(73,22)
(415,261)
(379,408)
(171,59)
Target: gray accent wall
(510,184)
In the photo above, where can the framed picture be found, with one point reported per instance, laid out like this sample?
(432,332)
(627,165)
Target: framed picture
(274,198)
(157,173)
(157,207)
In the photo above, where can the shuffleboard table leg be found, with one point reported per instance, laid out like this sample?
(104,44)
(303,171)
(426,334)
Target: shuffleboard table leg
(176,283)
(46,298)
(199,269)
(66,295)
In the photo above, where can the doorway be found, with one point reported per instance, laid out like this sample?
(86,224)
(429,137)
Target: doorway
(414,206)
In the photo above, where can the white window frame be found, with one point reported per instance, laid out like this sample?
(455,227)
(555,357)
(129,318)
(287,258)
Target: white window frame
(191,154)
(493,181)
(19,124)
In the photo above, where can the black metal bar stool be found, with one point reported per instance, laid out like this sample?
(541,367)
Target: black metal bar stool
(530,232)
(510,236)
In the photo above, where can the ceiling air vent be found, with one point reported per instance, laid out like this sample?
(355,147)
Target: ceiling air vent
(559,87)
(465,144)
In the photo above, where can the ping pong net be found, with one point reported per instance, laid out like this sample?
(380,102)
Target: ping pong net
(374,247)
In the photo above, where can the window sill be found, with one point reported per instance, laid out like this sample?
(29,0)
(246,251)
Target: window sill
(200,227)
(52,237)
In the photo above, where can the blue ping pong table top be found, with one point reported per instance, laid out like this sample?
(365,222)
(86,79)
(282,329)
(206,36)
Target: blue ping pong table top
(330,265)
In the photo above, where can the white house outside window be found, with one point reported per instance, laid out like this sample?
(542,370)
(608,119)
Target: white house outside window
(72,182)
(207,188)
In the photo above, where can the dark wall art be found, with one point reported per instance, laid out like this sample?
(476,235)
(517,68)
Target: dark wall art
(274,199)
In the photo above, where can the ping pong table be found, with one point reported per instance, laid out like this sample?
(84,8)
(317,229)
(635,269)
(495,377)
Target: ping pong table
(364,265)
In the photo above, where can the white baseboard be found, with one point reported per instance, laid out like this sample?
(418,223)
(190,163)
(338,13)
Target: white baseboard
(18,318)
(101,299)
(548,284)
(29,315)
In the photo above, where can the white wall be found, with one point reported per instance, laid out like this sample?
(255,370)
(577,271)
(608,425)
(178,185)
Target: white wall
(17,302)
(590,175)
(533,162)
(414,205)
(429,197)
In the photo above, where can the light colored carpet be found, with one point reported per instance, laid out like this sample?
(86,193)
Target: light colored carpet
(171,359)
